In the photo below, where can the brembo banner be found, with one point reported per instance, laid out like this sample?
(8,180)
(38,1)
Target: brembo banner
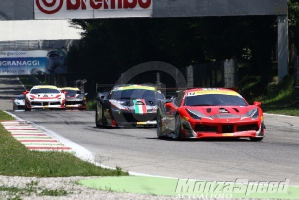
(84,9)
(76,9)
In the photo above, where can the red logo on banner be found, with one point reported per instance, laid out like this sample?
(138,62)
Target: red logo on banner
(49,6)
(54,7)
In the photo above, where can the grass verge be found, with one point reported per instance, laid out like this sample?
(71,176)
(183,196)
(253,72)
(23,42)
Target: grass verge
(17,160)
(279,98)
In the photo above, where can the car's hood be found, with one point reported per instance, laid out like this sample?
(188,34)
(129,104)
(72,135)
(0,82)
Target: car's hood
(221,111)
(19,101)
(134,104)
(45,96)
(77,96)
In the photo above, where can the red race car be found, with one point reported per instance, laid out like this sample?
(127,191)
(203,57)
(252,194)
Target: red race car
(210,113)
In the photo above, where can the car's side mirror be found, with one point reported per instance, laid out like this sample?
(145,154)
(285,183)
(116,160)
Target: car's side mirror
(170,97)
(169,108)
(100,97)
(86,94)
(25,92)
(257,103)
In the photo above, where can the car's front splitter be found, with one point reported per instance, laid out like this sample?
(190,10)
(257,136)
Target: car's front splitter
(134,119)
(222,130)
(145,123)
(79,106)
(46,107)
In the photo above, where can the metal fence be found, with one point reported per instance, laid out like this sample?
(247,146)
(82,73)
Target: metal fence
(296,79)
(296,71)
(26,45)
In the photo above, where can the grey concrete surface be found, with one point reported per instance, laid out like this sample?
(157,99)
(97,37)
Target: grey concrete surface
(139,150)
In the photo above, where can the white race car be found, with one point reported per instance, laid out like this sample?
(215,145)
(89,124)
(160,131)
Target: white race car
(18,103)
(44,97)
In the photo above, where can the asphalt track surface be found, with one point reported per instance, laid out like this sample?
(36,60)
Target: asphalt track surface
(138,149)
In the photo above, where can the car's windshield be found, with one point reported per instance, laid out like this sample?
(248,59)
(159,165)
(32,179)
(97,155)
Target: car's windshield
(214,100)
(71,92)
(44,90)
(135,94)
(21,96)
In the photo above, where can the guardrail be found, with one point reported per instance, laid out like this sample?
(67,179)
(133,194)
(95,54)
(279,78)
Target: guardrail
(296,79)
(296,94)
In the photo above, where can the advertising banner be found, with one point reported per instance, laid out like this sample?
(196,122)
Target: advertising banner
(36,62)
(67,9)
(88,9)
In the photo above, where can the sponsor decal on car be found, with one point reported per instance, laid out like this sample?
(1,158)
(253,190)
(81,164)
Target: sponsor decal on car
(204,92)
(132,87)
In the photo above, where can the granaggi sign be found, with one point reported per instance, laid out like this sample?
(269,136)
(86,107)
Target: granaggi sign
(78,9)
(22,62)
(37,62)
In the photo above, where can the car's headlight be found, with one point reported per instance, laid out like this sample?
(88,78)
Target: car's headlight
(80,96)
(194,115)
(253,113)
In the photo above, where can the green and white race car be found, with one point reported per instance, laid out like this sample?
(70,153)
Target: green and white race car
(129,104)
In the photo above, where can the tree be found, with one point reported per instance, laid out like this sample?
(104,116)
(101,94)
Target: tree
(111,46)
(293,17)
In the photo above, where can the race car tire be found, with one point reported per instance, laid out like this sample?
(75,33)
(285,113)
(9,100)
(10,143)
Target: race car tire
(96,119)
(104,120)
(256,139)
(159,125)
(26,108)
(177,129)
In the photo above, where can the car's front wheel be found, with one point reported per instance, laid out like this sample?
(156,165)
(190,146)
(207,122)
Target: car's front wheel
(26,108)
(177,130)
(104,120)
(159,125)
(96,119)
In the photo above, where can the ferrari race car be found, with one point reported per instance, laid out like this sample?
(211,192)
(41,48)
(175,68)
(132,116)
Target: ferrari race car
(210,113)
(44,96)
(18,103)
(128,105)
(74,98)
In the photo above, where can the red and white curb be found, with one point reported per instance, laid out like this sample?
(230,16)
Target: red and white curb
(32,137)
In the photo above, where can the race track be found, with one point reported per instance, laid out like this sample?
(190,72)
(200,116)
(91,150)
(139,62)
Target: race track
(138,149)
